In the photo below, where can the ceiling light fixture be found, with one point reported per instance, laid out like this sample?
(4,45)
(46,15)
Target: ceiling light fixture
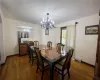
(47,23)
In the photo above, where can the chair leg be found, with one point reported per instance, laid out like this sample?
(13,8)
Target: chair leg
(68,73)
(29,60)
(42,75)
(29,57)
(62,76)
(32,61)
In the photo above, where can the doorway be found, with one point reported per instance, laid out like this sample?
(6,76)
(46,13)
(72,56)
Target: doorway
(63,35)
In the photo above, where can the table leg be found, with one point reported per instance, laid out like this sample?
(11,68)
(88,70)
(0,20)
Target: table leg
(51,72)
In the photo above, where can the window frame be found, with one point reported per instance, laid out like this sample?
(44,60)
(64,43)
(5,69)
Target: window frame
(62,28)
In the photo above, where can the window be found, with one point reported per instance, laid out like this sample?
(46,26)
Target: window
(63,35)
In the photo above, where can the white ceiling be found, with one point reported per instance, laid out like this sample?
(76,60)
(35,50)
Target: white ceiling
(60,10)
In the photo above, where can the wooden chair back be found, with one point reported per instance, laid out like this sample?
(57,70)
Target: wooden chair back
(31,43)
(59,47)
(36,43)
(30,53)
(49,44)
(71,51)
(39,58)
(67,63)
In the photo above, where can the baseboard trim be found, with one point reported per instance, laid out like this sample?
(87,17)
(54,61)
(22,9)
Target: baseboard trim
(2,64)
(18,55)
(88,64)
(85,63)
(77,60)
(12,55)
(8,57)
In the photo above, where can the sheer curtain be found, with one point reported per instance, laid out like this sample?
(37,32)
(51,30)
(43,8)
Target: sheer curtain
(71,36)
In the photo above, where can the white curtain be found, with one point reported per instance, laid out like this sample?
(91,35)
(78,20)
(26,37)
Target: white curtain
(71,36)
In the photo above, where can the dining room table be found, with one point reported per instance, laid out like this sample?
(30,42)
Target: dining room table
(52,56)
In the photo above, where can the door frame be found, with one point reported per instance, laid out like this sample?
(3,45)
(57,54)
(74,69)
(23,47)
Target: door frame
(62,28)
(97,63)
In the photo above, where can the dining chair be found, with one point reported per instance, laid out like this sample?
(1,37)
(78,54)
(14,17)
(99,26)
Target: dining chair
(59,47)
(30,43)
(36,43)
(42,65)
(63,67)
(71,51)
(32,54)
(29,53)
(49,44)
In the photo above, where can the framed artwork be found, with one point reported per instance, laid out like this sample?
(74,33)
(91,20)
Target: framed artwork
(46,31)
(91,30)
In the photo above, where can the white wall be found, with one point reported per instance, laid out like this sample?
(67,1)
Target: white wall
(1,37)
(10,34)
(54,36)
(85,44)
(1,43)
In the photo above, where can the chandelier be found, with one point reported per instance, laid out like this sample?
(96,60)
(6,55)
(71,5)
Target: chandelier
(47,23)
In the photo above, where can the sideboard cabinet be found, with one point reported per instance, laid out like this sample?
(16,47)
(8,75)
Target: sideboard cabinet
(23,49)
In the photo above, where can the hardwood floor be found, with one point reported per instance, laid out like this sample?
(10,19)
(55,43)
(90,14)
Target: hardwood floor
(19,68)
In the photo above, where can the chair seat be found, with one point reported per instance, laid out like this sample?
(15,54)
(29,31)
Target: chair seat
(62,62)
(58,68)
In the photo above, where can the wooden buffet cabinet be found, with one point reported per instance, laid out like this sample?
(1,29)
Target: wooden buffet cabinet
(23,49)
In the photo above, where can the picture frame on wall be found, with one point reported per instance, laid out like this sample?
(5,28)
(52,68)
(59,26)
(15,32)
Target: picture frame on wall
(91,30)
(46,31)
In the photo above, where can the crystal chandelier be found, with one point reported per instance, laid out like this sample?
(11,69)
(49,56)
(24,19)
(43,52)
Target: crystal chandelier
(47,23)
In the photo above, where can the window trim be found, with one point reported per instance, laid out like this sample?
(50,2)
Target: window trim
(62,28)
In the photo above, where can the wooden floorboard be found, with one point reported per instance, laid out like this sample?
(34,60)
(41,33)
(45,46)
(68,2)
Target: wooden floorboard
(19,68)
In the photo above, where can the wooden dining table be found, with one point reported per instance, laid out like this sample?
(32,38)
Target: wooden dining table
(52,56)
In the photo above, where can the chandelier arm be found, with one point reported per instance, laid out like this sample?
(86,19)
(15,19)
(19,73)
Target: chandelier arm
(47,23)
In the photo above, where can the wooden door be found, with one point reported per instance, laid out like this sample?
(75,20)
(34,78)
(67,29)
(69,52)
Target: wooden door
(97,64)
